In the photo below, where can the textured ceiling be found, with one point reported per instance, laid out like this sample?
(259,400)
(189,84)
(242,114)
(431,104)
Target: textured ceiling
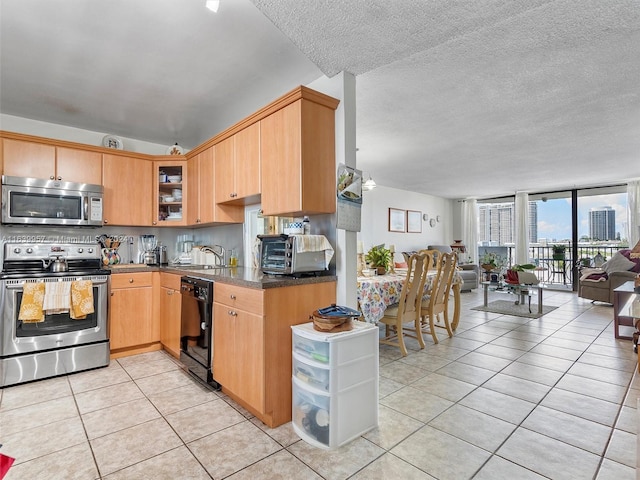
(454,98)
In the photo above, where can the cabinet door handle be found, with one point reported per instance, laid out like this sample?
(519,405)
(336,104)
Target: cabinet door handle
(105,221)
(232,313)
(169,292)
(131,280)
(52,177)
(232,296)
(112,293)
(59,178)
(154,223)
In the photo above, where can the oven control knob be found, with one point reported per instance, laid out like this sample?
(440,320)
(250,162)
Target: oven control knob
(289,254)
(80,250)
(89,250)
(16,250)
(288,264)
(29,250)
(203,326)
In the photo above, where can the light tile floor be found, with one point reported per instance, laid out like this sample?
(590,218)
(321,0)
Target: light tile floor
(506,398)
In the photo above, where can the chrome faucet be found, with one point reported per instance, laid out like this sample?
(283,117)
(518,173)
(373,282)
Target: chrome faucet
(220,253)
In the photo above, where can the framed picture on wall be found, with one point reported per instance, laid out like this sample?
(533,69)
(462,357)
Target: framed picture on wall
(397,221)
(414,221)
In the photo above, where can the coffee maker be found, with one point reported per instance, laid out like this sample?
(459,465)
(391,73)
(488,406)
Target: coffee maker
(149,254)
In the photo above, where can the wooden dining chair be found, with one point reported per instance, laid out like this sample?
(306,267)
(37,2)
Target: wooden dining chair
(408,307)
(434,311)
(435,254)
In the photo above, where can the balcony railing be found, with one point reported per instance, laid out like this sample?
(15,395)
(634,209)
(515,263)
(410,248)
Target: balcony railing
(552,266)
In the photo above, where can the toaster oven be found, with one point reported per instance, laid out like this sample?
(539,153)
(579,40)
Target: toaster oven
(281,255)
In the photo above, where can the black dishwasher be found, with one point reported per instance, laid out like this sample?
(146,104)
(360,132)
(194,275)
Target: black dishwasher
(196,328)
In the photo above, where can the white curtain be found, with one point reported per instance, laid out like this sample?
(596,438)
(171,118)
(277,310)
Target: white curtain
(470,229)
(633,212)
(522,228)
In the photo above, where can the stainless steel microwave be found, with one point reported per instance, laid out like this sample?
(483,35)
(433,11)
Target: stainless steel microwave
(280,255)
(36,201)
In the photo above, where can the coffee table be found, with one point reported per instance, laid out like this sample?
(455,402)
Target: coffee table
(520,290)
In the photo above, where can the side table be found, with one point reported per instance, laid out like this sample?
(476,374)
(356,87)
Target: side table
(626,308)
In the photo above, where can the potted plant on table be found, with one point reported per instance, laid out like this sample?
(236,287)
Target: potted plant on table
(522,274)
(379,257)
(490,261)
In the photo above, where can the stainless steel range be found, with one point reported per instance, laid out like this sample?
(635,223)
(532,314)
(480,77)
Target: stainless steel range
(58,342)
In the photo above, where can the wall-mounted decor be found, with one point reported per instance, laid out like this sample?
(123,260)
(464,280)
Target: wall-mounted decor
(397,219)
(432,222)
(349,204)
(414,221)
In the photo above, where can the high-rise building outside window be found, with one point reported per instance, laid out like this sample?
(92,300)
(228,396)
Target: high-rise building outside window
(602,223)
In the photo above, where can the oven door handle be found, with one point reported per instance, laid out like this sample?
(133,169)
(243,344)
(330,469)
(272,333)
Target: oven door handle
(18,286)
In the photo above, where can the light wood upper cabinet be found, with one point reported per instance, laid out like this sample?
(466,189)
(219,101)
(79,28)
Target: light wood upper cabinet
(28,159)
(128,191)
(237,167)
(201,202)
(81,166)
(39,160)
(169,203)
(225,170)
(297,150)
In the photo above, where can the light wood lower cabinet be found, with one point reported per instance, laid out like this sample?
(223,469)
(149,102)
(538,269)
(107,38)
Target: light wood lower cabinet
(133,319)
(252,343)
(170,311)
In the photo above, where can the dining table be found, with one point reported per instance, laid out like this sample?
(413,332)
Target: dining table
(377,292)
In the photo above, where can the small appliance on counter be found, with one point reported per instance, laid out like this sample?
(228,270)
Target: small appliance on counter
(294,254)
(148,244)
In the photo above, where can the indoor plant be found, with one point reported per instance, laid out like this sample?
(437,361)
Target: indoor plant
(490,261)
(379,257)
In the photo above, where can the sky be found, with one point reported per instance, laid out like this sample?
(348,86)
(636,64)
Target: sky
(554,215)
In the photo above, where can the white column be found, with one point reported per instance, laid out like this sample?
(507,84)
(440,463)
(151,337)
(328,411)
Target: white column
(343,87)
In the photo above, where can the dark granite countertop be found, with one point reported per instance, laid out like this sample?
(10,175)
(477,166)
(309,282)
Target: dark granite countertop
(246,277)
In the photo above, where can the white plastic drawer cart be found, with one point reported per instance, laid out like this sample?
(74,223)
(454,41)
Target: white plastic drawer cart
(335,384)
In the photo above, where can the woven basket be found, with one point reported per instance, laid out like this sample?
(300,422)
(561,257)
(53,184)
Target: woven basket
(335,324)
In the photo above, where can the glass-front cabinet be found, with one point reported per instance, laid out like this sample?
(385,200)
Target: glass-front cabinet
(170,198)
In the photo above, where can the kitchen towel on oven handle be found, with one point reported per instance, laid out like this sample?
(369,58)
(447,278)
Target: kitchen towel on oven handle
(57,297)
(314,243)
(31,304)
(81,299)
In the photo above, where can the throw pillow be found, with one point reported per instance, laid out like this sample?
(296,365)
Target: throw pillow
(635,258)
(618,263)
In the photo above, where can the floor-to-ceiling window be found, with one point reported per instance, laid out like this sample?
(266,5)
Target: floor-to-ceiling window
(568,229)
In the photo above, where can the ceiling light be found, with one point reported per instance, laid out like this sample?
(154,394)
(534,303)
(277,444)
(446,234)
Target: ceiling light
(212,5)
(369,184)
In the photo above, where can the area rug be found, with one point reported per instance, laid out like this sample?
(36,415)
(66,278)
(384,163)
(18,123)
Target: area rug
(505,307)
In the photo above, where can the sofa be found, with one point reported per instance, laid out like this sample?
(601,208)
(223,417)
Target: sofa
(469,272)
(597,284)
